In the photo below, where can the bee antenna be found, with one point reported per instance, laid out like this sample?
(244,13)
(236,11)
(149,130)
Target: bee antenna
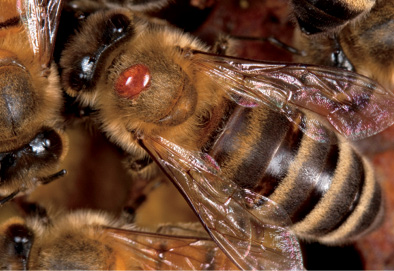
(274,41)
(9,197)
(50,178)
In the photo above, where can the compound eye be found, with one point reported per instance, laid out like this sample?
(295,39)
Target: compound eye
(132,81)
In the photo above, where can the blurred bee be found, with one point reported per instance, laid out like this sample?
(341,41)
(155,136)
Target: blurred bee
(366,47)
(240,139)
(317,16)
(31,142)
(87,240)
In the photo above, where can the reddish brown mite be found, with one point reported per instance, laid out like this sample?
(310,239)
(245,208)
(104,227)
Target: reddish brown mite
(133,80)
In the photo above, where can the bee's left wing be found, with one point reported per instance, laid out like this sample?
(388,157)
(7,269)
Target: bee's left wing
(154,251)
(41,19)
(251,229)
(356,106)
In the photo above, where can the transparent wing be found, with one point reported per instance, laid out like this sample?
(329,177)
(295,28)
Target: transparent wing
(41,18)
(356,106)
(151,251)
(252,230)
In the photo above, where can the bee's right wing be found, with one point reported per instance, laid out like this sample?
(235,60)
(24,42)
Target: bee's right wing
(356,106)
(153,251)
(251,229)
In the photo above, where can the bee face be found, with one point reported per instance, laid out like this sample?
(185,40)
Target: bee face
(152,89)
(89,240)
(16,241)
(36,244)
(42,152)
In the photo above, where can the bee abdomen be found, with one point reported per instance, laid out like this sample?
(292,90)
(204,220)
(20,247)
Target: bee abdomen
(252,147)
(327,189)
(351,206)
(329,192)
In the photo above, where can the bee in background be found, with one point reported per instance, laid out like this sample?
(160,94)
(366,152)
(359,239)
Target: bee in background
(107,244)
(366,47)
(31,141)
(240,139)
(314,17)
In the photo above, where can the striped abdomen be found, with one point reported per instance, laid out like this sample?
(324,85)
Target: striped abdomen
(328,190)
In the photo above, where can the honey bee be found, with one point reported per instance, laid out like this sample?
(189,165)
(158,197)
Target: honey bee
(315,17)
(366,47)
(242,140)
(31,141)
(88,240)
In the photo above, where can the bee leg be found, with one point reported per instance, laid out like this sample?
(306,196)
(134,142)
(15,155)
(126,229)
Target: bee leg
(138,195)
(338,57)
(145,178)
(44,180)
(274,41)
(50,178)
(129,211)
(144,175)
(223,45)
(8,198)
(31,209)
